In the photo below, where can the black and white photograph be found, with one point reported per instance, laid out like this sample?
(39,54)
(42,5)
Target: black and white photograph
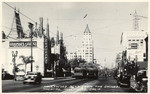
(74,47)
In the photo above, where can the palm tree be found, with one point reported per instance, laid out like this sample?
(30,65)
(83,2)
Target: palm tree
(17,67)
(26,60)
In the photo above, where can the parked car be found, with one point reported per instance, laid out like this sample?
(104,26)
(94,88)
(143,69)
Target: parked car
(32,77)
(123,79)
(141,81)
(7,76)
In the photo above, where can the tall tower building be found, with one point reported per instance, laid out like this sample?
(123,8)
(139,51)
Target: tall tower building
(87,50)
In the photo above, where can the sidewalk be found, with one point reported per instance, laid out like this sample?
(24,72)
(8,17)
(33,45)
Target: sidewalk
(56,78)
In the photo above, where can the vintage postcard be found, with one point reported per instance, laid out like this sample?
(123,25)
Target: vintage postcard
(74,47)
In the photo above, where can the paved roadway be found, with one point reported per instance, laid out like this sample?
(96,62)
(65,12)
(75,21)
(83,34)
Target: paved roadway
(102,84)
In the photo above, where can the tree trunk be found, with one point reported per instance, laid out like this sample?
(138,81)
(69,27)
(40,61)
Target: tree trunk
(25,68)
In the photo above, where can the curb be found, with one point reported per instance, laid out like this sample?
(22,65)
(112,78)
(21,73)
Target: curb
(56,78)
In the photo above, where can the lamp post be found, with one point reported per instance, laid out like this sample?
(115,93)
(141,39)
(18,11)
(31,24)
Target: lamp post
(31,28)
(136,59)
(14,55)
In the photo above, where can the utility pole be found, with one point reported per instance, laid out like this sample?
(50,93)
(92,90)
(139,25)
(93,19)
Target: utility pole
(31,29)
(136,23)
(136,19)
(14,55)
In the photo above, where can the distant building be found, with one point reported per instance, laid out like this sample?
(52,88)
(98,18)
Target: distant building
(86,51)
(71,55)
(80,53)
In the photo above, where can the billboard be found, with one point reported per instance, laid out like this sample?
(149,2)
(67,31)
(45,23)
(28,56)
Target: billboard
(22,44)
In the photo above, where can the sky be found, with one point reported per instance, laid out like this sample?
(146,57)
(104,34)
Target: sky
(106,20)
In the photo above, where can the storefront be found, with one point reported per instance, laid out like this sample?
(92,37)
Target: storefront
(23,49)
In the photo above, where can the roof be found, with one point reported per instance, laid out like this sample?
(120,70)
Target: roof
(87,30)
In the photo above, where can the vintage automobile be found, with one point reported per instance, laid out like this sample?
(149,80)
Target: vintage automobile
(6,75)
(123,79)
(141,81)
(32,77)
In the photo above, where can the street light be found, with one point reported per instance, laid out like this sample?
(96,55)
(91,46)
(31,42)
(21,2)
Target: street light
(31,29)
(14,55)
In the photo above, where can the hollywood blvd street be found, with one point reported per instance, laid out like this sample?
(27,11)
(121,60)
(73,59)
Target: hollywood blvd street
(102,84)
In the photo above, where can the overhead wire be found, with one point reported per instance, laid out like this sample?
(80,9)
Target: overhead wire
(25,16)
(58,19)
(21,13)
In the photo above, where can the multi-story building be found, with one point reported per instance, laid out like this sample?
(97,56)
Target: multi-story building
(71,55)
(87,50)
(80,53)
(133,42)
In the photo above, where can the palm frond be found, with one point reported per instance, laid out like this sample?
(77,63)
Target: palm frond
(19,64)
(21,70)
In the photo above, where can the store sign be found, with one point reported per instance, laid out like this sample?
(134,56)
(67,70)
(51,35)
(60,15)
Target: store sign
(134,45)
(22,44)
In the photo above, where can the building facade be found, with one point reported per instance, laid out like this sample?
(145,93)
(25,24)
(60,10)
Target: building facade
(134,44)
(23,47)
(21,43)
(87,50)
(71,55)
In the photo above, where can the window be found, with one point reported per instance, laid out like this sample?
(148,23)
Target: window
(144,54)
(134,45)
(141,41)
